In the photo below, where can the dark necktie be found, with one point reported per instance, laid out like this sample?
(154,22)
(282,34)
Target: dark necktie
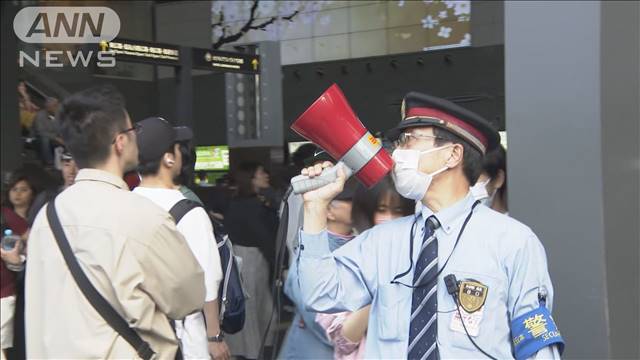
(423,331)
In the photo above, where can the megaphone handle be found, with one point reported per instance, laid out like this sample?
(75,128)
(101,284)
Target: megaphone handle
(302,183)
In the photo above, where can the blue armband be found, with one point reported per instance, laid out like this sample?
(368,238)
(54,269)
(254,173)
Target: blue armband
(533,331)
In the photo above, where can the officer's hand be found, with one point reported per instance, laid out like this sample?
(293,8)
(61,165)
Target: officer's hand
(326,193)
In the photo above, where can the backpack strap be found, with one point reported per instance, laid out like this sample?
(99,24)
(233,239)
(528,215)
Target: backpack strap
(182,208)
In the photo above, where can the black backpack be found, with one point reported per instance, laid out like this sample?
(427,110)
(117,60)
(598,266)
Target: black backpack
(230,293)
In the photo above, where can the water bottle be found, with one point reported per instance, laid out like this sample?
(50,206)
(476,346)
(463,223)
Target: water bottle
(9,240)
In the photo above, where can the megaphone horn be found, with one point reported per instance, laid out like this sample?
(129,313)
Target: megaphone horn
(331,124)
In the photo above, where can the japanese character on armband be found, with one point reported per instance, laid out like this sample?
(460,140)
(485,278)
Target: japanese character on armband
(535,330)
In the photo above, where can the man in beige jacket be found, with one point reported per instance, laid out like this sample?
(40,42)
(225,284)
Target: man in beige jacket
(128,247)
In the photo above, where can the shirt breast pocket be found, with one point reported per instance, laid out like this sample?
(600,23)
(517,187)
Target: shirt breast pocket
(392,321)
(483,296)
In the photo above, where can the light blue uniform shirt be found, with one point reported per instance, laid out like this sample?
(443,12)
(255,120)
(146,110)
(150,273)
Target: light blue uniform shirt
(496,250)
(310,342)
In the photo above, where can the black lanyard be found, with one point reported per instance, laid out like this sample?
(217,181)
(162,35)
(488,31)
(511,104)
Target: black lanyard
(424,283)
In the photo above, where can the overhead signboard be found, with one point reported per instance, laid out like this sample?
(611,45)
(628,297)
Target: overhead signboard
(142,51)
(226,61)
(165,54)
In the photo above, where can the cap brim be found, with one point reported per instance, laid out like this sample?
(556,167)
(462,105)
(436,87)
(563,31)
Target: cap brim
(394,133)
(319,157)
(183,133)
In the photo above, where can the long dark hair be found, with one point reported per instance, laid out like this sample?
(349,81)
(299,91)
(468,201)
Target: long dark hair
(366,201)
(244,175)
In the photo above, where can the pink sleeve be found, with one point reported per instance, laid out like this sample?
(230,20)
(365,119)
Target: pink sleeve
(332,323)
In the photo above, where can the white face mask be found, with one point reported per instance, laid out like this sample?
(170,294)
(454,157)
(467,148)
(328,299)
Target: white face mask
(479,192)
(409,181)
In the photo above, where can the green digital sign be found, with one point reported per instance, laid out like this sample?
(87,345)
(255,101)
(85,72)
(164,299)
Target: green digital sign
(212,158)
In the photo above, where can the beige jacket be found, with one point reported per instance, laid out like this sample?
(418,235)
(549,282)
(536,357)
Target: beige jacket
(130,250)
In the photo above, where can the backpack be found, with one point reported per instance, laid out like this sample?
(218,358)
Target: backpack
(230,293)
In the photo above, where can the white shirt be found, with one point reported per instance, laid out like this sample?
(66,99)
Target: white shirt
(196,228)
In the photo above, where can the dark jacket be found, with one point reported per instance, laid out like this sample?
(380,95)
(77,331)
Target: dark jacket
(249,222)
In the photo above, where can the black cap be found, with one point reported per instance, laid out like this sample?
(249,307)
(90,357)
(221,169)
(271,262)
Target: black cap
(66,156)
(318,156)
(425,110)
(156,136)
(348,191)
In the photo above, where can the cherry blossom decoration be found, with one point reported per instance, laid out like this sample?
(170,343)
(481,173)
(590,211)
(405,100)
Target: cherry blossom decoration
(447,23)
(445,32)
(429,22)
(231,20)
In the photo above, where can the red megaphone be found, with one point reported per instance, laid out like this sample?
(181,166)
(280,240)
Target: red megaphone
(331,124)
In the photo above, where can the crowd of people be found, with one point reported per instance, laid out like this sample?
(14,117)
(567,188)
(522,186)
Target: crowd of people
(163,275)
(40,128)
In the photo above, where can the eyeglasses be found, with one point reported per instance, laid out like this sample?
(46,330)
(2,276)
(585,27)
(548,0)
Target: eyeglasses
(136,127)
(408,138)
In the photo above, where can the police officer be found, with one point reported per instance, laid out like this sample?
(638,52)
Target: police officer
(454,280)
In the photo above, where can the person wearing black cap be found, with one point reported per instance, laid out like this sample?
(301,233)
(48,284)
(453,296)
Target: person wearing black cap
(160,164)
(312,155)
(307,339)
(454,280)
(339,221)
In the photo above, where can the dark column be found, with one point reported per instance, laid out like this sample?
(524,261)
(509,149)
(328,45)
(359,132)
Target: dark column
(620,81)
(185,89)
(572,90)
(154,38)
(9,116)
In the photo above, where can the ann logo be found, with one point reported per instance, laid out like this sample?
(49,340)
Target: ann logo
(41,25)
(66,24)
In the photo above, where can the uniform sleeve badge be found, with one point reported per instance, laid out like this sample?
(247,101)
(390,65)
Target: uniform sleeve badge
(472,295)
